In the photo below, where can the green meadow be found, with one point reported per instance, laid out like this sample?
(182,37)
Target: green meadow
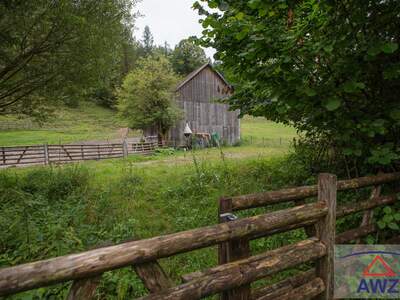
(56,210)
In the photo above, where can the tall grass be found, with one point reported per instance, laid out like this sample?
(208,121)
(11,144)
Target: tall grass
(46,212)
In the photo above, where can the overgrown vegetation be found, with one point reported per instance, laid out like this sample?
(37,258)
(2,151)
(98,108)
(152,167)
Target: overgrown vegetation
(53,211)
(329,68)
(46,212)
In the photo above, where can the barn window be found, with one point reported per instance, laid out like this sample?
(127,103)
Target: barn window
(218,90)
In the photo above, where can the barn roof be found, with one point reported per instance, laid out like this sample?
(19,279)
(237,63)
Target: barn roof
(195,72)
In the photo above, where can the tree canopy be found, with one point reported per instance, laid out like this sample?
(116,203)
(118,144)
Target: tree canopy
(330,68)
(146,98)
(187,57)
(147,41)
(58,49)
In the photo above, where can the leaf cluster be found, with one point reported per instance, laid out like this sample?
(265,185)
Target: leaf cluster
(146,98)
(329,68)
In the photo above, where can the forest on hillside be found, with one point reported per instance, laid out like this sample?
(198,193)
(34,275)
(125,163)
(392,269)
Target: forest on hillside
(65,52)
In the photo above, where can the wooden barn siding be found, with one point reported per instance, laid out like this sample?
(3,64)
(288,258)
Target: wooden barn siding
(196,98)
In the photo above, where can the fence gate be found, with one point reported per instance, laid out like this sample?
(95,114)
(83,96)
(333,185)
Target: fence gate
(238,268)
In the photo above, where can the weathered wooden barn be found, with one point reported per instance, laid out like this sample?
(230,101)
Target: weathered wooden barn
(197,96)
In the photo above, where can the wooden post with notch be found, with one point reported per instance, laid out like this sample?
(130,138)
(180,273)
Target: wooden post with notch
(232,251)
(325,229)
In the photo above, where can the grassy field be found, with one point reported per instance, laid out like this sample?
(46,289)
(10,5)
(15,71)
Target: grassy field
(88,122)
(101,202)
(115,200)
(52,211)
(259,128)
(91,122)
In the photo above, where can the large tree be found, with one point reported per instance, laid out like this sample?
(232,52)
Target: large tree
(58,49)
(330,68)
(187,56)
(146,98)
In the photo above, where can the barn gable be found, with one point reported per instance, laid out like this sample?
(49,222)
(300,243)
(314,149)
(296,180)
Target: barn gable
(196,72)
(197,96)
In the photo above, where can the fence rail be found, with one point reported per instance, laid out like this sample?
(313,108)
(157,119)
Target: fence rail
(49,154)
(237,268)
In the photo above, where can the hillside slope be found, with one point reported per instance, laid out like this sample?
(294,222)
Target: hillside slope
(90,122)
(87,122)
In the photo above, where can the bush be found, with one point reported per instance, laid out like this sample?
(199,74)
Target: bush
(40,213)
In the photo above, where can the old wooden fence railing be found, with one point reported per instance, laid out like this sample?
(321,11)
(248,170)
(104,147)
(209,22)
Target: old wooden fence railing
(238,268)
(48,154)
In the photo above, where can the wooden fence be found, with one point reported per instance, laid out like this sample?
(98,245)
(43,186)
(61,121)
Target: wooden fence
(48,154)
(238,268)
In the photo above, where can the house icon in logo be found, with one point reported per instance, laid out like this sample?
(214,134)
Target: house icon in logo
(376,263)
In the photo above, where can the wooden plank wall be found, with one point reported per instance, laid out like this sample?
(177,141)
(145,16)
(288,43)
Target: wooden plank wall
(198,99)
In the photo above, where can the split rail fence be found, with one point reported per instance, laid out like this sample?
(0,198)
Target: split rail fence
(60,154)
(237,268)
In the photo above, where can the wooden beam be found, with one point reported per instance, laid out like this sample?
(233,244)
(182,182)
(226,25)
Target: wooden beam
(153,276)
(325,229)
(93,262)
(83,289)
(22,154)
(234,274)
(273,197)
(285,195)
(355,233)
(306,291)
(348,209)
(283,286)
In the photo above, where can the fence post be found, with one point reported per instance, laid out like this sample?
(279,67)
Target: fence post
(46,153)
(84,288)
(125,148)
(4,155)
(232,251)
(325,228)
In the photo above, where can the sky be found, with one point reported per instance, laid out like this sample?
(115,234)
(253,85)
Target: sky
(169,20)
